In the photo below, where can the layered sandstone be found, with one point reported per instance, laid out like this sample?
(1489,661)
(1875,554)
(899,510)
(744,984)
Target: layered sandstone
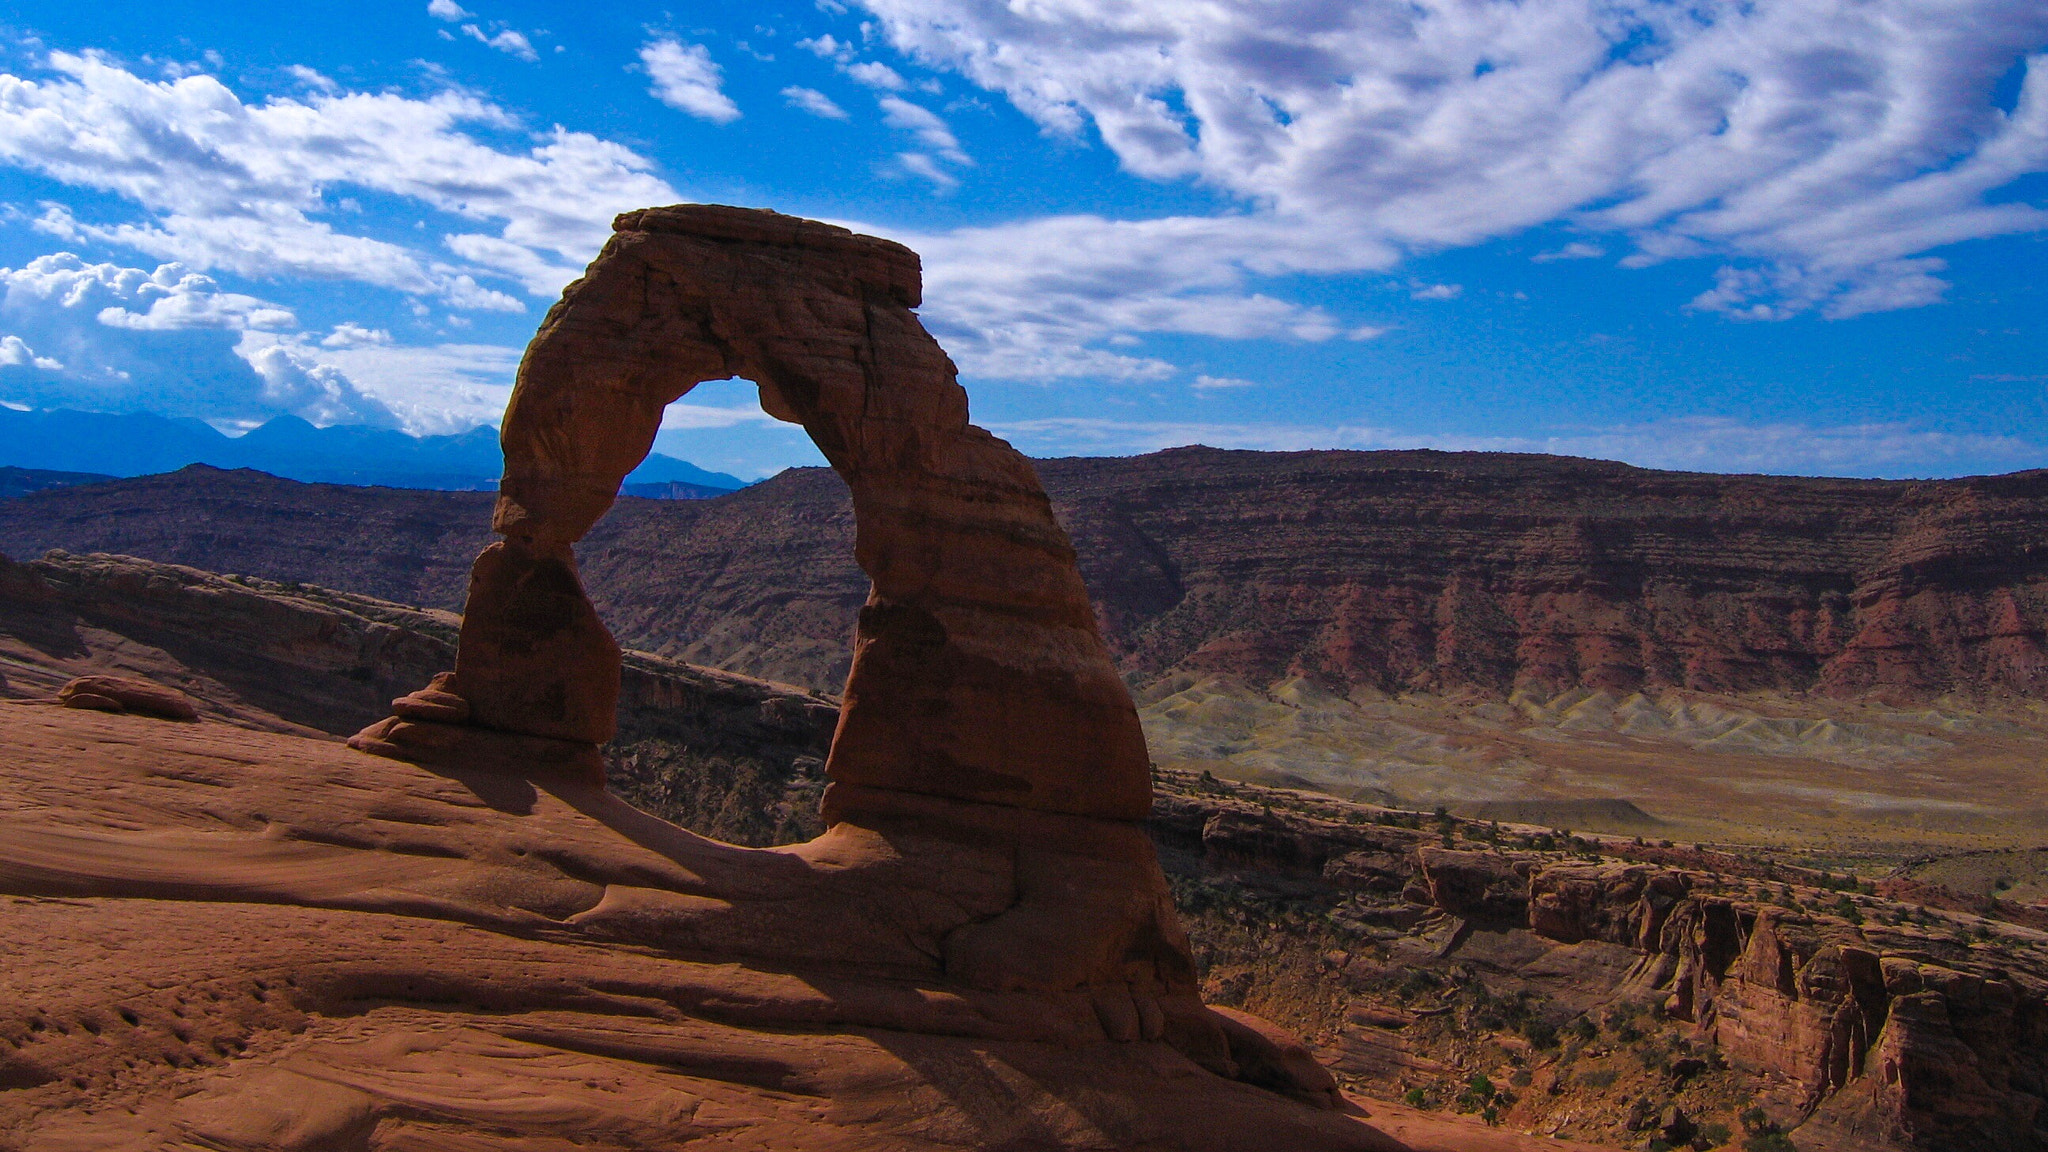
(1396,571)
(252,941)
(1685,978)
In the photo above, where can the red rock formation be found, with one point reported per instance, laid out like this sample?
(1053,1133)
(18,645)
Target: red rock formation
(977,672)
(982,718)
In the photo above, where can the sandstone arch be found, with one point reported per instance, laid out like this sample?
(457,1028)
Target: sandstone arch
(988,769)
(978,673)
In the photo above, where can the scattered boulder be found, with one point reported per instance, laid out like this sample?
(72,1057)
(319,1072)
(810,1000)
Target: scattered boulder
(123,694)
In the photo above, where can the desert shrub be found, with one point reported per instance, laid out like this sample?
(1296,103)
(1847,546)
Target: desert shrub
(1598,1078)
(1540,1035)
(1416,1098)
(1583,1029)
(1714,1134)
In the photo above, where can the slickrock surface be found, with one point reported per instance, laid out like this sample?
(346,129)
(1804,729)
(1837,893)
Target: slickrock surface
(212,937)
(725,755)
(231,939)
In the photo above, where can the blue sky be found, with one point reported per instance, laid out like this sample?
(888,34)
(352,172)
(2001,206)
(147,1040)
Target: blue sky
(1796,236)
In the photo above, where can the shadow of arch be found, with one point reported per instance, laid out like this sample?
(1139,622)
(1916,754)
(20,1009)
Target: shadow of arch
(977,674)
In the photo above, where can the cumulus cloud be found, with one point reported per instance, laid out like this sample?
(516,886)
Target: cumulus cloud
(686,79)
(813,101)
(1824,145)
(15,353)
(429,390)
(168,341)
(448,10)
(225,185)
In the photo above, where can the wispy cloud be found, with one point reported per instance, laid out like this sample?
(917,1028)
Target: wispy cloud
(814,102)
(506,40)
(1820,148)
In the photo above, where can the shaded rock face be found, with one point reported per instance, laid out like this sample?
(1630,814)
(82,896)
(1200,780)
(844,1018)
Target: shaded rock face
(1887,1040)
(977,672)
(1873,1035)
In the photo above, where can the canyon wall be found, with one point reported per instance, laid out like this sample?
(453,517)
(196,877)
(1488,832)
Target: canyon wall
(1392,571)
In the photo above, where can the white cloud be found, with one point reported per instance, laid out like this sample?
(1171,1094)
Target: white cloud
(1218,383)
(875,74)
(1436,291)
(1035,299)
(1826,144)
(924,167)
(828,47)
(813,101)
(686,79)
(925,124)
(683,416)
(430,390)
(15,353)
(167,341)
(448,10)
(1687,444)
(349,335)
(1576,250)
(504,40)
(312,79)
(242,188)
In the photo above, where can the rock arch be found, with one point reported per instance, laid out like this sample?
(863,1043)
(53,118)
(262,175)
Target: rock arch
(988,770)
(978,673)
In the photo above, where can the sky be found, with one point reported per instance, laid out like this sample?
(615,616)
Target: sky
(1792,236)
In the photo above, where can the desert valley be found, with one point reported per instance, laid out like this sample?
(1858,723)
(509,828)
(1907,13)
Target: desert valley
(1024,576)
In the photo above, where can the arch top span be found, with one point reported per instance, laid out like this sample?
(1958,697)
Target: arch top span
(978,673)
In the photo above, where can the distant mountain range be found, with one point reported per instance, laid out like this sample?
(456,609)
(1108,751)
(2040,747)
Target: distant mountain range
(140,444)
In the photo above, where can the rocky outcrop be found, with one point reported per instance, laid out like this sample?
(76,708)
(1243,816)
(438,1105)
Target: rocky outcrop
(126,694)
(1863,1022)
